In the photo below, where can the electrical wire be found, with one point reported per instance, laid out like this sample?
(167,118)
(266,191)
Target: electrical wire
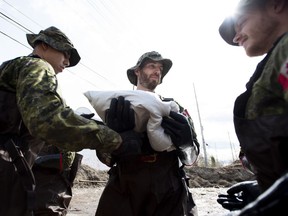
(23,14)
(18,25)
(12,20)
(15,40)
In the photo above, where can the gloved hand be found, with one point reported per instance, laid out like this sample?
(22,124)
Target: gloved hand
(120,117)
(131,144)
(180,131)
(90,116)
(239,195)
(272,202)
(178,128)
(87,116)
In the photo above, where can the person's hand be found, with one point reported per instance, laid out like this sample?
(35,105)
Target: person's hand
(180,131)
(90,116)
(178,128)
(272,202)
(120,117)
(131,144)
(239,195)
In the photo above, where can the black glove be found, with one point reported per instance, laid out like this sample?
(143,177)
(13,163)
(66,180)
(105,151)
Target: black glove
(90,116)
(87,116)
(120,117)
(131,144)
(272,202)
(178,128)
(239,195)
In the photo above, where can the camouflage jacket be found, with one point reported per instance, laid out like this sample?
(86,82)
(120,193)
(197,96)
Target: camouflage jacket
(270,92)
(261,116)
(43,111)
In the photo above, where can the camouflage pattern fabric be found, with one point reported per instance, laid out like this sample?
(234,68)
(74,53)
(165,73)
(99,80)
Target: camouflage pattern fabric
(56,39)
(68,158)
(270,93)
(63,162)
(43,111)
(260,116)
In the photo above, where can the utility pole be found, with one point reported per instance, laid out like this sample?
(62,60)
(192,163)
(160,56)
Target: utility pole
(203,140)
(232,152)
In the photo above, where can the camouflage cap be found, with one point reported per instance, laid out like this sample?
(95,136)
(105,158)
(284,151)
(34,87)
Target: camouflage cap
(57,40)
(154,56)
(226,29)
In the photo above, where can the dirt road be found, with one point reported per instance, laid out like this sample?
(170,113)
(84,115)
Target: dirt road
(85,201)
(206,184)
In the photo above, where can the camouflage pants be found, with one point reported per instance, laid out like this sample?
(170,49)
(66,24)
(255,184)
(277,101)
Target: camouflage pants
(53,193)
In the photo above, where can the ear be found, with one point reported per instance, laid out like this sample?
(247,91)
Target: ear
(137,71)
(278,5)
(44,46)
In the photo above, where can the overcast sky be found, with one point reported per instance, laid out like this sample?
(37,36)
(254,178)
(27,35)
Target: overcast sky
(111,35)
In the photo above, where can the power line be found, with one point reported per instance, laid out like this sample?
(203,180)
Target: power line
(95,72)
(12,20)
(15,40)
(13,23)
(22,14)
(86,80)
(7,17)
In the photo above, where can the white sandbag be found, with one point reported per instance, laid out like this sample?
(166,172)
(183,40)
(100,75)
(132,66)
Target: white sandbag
(148,108)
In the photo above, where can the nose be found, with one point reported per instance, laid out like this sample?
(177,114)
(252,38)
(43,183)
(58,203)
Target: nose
(237,38)
(66,62)
(158,69)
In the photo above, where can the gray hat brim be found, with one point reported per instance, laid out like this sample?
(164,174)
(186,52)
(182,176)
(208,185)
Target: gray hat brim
(167,64)
(74,55)
(227,28)
(227,31)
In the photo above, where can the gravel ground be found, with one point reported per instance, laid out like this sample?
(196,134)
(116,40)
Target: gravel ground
(85,200)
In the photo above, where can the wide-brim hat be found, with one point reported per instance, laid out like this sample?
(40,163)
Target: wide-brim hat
(57,40)
(227,31)
(154,56)
(227,28)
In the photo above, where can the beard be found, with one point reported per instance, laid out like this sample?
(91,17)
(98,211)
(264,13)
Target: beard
(145,81)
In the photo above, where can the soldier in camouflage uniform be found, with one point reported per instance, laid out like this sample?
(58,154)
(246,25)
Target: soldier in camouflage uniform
(33,114)
(153,182)
(261,112)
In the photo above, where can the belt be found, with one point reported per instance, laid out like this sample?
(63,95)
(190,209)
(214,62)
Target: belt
(149,158)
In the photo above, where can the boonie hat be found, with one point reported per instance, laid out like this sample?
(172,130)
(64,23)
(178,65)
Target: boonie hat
(226,29)
(154,56)
(57,40)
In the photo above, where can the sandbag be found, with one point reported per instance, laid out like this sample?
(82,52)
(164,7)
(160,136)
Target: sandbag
(148,107)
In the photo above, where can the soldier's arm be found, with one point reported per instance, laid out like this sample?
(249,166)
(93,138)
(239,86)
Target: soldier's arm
(47,118)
